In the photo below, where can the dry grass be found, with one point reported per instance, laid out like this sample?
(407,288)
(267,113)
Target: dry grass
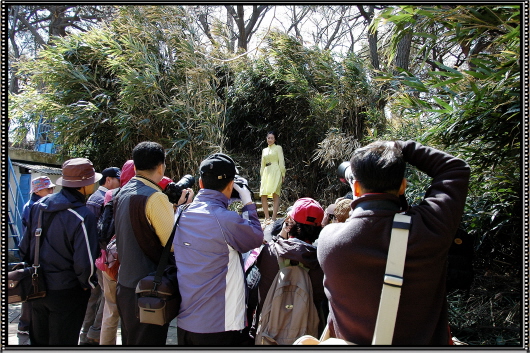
(491,313)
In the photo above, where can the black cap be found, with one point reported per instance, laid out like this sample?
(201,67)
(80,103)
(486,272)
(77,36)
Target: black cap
(218,165)
(113,172)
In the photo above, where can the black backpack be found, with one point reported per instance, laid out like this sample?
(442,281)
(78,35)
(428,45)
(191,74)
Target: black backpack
(106,221)
(460,271)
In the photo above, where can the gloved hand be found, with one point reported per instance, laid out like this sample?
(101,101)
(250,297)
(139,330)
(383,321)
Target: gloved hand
(244,191)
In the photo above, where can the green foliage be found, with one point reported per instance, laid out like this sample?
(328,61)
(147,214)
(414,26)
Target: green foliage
(136,79)
(474,111)
(303,94)
(142,77)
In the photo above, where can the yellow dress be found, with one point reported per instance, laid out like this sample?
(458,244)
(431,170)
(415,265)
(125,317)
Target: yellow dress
(272,170)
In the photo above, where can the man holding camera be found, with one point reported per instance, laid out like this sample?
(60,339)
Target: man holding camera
(208,244)
(353,255)
(143,222)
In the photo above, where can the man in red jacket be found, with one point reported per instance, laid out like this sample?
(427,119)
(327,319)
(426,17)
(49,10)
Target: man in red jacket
(353,255)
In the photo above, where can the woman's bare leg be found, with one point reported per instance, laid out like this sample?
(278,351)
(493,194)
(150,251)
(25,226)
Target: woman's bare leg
(265,204)
(275,206)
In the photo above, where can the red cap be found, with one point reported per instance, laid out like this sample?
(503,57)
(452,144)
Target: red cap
(307,211)
(163,183)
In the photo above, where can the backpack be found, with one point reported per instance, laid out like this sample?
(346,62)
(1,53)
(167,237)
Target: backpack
(108,261)
(112,263)
(460,271)
(106,222)
(288,311)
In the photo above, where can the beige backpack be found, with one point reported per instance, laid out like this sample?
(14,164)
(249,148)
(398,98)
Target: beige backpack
(288,311)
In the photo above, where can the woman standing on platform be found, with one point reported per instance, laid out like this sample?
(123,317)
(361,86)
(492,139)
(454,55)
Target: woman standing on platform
(272,173)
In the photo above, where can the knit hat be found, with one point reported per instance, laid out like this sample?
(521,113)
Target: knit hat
(342,211)
(219,165)
(78,172)
(307,211)
(40,183)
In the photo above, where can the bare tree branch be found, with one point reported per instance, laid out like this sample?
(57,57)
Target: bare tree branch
(33,30)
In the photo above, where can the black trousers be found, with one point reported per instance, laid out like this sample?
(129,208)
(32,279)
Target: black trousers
(24,321)
(57,318)
(134,333)
(227,338)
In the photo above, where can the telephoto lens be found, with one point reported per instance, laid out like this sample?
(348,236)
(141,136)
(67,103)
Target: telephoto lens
(345,173)
(174,190)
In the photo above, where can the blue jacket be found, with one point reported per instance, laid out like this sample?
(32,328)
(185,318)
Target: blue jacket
(27,208)
(208,242)
(68,248)
(95,201)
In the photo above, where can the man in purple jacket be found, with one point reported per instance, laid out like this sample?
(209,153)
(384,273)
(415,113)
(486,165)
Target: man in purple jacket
(353,255)
(208,244)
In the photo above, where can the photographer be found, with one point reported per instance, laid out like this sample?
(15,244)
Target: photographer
(144,219)
(353,255)
(208,244)
(180,192)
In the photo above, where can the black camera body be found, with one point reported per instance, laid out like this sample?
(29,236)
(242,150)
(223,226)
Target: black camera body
(242,184)
(174,190)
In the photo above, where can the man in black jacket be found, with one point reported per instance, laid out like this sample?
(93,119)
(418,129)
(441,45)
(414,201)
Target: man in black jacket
(68,249)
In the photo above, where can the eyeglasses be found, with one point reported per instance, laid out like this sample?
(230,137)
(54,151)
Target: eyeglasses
(331,216)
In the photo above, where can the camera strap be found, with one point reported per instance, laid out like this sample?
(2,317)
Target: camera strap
(393,281)
(164,259)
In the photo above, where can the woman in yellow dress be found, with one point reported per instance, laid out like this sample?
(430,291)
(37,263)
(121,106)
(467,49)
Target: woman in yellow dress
(272,173)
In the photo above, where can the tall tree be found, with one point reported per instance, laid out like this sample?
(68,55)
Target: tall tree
(139,78)
(298,16)
(246,27)
(368,15)
(31,27)
(473,109)
(230,30)
(334,26)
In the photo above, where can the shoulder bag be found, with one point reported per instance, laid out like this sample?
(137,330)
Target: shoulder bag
(158,293)
(27,283)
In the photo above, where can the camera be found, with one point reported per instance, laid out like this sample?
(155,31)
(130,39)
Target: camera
(345,173)
(241,182)
(174,190)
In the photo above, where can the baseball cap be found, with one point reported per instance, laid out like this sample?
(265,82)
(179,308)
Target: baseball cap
(331,209)
(113,172)
(40,183)
(78,172)
(218,165)
(307,211)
